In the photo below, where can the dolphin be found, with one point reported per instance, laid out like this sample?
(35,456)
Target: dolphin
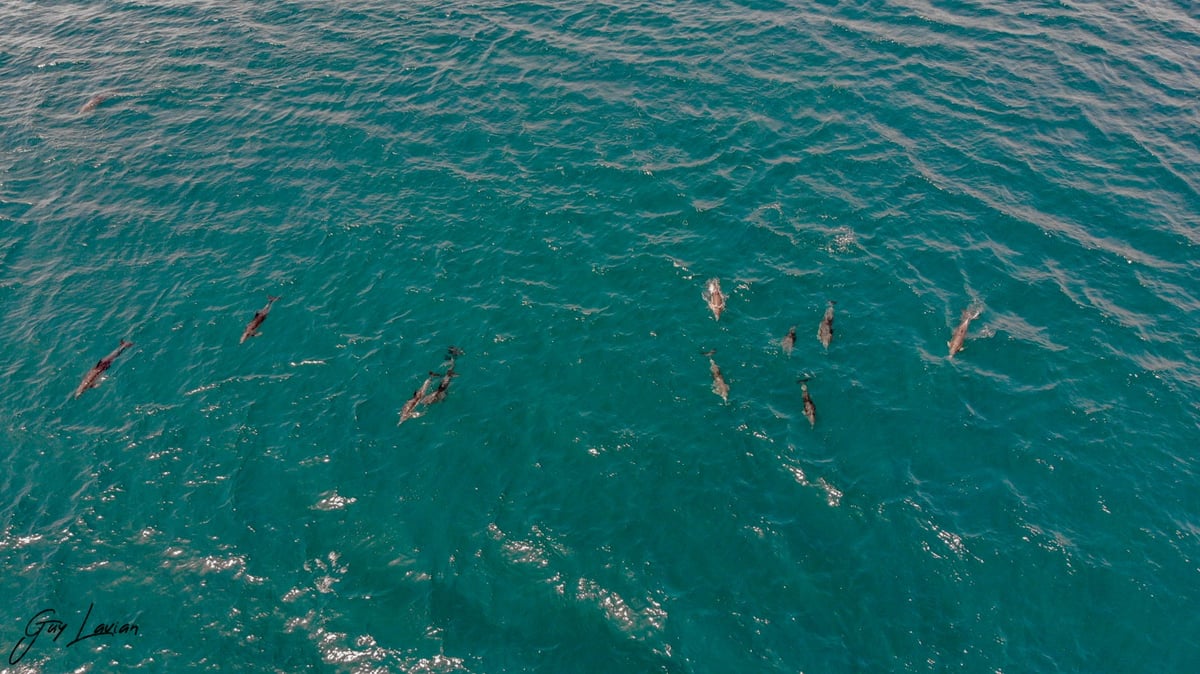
(440,393)
(408,411)
(719,386)
(788,341)
(94,102)
(960,333)
(825,330)
(715,298)
(810,410)
(92,378)
(259,316)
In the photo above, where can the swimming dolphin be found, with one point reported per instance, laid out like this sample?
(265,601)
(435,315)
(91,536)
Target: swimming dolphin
(92,378)
(719,386)
(94,102)
(259,316)
(810,410)
(440,393)
(788,341)
(960,333)
(715,298)
(825,330)
(409,409)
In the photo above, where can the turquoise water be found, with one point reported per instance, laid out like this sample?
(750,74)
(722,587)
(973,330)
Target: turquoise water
(548,185)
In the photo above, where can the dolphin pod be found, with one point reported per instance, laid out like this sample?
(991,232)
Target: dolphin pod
(439,394)
(409,410)
(712,294)
(421,397)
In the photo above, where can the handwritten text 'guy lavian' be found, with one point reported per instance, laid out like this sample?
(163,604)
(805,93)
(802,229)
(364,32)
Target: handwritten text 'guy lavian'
(45,621)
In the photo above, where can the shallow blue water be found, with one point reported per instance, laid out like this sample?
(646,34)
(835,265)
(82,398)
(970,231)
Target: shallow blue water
(548,185)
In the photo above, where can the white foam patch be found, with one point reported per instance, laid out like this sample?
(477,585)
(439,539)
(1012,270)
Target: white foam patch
(641,618)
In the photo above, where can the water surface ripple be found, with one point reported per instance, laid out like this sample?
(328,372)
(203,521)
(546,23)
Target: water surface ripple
(549,185)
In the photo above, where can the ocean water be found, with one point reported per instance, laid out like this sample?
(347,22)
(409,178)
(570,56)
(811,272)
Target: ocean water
(548,185)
